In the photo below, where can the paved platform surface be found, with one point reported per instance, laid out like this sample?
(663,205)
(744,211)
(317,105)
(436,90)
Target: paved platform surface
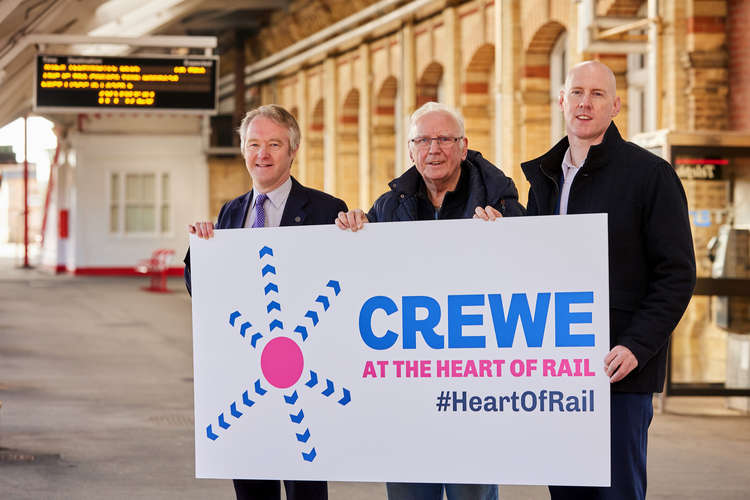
(97,402)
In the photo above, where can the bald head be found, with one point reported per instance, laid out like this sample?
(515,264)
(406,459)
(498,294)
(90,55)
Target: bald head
(589,102)
(593,70)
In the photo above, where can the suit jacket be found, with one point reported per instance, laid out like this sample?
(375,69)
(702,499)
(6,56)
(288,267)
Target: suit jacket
(304,207)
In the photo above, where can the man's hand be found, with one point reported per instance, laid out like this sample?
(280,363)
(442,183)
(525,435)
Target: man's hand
(618,363)
(353,219)
(487,213)
(203,230)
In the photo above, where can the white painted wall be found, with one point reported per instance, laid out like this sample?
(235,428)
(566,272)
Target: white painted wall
(97,155)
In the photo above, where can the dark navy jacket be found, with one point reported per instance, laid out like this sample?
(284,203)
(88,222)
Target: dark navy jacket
(651,258)
(485,185)
(304,207)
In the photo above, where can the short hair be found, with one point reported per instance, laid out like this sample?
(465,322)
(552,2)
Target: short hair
(279,115)
(432,107)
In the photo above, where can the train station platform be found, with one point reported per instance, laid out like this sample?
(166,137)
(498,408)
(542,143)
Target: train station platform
(97,402)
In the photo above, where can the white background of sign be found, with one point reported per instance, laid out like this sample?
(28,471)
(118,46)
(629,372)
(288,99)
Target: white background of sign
(391,430)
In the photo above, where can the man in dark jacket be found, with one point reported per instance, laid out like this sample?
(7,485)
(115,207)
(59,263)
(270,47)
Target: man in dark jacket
(447,181)
(651,259)
(269,138)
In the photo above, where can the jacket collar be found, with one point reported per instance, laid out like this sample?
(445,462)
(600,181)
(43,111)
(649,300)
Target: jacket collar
(550,163)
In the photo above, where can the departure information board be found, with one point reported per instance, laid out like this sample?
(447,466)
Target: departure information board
(79,84)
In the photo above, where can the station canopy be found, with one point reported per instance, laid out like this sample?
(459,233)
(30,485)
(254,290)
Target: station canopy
(23,23)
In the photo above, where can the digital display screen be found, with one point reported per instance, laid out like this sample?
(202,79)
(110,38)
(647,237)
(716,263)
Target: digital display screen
(79,84)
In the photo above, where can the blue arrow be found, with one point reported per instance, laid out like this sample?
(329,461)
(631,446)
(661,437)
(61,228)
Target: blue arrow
(244,327)
(275,324)
(335,285)
(246,399)
(313,379)
(210,434)
(313,316)
(222,423)
(265,251)
(271,287)
(259,389)
(302,331)
(233,316)
(329,388)
(291,399)
(273,305)
(347,397)
(323,300)
(255,338)
(234,411)
(302,438)
(268,268)
(298,417)
(309,457)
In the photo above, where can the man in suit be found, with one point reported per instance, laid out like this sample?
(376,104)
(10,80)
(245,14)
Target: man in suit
(269,138)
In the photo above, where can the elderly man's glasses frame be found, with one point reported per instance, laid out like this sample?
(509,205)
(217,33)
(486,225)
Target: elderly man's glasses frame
(443,141)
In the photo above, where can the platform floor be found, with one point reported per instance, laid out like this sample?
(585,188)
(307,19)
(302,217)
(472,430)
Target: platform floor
(97,402)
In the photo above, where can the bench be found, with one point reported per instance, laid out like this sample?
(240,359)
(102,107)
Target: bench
(156,268)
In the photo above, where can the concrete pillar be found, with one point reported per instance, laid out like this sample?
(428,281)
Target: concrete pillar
(302,120)
(330,124)
(364,80)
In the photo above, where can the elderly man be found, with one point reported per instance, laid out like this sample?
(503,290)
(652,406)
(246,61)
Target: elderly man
(447,181)
(651,260)
(269,140)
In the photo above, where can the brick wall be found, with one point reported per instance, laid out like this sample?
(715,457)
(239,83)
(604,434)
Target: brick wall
(739,64)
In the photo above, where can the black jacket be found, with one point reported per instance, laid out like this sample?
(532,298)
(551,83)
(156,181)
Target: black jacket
(304,207)
(487,185)
(651,258)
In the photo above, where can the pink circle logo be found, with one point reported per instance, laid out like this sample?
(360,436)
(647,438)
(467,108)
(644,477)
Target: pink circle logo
(282,362)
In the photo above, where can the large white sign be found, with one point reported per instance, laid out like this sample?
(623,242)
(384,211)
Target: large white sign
(439,351)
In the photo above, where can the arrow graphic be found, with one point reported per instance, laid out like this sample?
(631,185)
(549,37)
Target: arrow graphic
(298,417)
(313,379)
(265,251)
(259,389)
(246,399)
(323,300)
(291,399)
(275,324)
(273,305)
(210,434)
(313,316)
(268,268)
(329,388)
(233,410)
(302,438)
(233,316)
(270,287)
(302,331)
(222,423)
(309,457)
(347,397)
(255,338)
(335,285)
(244,327)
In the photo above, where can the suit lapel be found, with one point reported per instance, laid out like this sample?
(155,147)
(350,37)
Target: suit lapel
(238,221)
(295,210)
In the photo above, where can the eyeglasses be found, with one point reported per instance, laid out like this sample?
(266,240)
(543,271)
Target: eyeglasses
(443,141)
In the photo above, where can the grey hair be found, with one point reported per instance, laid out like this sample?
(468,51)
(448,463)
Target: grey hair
(277,114)
(432,107)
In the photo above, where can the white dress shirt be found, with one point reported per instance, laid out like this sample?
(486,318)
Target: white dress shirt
(274,205)
(569,173)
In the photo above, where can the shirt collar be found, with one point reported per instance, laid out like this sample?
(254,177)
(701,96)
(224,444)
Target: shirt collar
(278,196)
(567,165)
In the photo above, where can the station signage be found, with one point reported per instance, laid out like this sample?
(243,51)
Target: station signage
(707,169)
(80,84)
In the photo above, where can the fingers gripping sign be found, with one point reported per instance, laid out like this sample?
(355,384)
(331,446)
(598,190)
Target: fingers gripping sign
(203,230)
(619,362)
(353,219)
(488,213)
